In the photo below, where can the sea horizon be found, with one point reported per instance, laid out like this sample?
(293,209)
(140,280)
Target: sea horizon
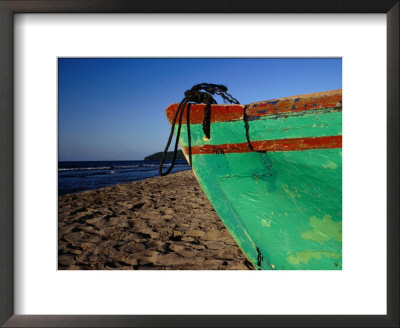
(79,176)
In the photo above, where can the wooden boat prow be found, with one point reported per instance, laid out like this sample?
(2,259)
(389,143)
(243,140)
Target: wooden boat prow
(277,189)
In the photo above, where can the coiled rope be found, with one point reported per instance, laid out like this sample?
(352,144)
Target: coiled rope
(197,96)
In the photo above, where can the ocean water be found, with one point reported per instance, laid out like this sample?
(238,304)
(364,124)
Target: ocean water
(80,176)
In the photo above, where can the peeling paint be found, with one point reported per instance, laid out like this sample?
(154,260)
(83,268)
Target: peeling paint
(292,192)
(323,229)
(264,223)
(330,165)
(306,256)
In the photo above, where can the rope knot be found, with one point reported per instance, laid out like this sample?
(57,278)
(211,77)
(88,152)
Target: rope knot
(195,95)
(198,97)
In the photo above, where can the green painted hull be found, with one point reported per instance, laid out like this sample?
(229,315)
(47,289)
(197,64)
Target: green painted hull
(283,208)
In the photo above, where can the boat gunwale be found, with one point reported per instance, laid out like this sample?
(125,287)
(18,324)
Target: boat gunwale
(293,104)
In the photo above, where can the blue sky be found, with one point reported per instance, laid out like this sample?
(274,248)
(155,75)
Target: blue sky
(113,108)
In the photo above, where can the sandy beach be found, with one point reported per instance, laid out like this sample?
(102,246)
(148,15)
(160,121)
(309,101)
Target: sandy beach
(161,223)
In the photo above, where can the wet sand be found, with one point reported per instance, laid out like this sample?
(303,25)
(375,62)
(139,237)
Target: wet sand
(161,223)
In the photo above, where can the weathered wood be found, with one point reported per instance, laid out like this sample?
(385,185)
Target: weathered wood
(280,192)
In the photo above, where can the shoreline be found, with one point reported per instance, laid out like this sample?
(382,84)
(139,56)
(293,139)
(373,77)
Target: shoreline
(75,177)
(121,183)
(159,223)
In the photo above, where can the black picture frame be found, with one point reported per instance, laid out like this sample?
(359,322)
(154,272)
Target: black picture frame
(10,7)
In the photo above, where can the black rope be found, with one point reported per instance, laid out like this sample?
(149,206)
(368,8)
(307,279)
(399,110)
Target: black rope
(178,111)
(207,119)
(197,96)
(246,126)
(188,132)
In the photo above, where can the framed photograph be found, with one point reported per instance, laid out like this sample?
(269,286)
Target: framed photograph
(74,73)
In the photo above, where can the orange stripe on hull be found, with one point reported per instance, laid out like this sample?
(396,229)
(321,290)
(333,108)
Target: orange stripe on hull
(224,113)
(219,113)
(270,145)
